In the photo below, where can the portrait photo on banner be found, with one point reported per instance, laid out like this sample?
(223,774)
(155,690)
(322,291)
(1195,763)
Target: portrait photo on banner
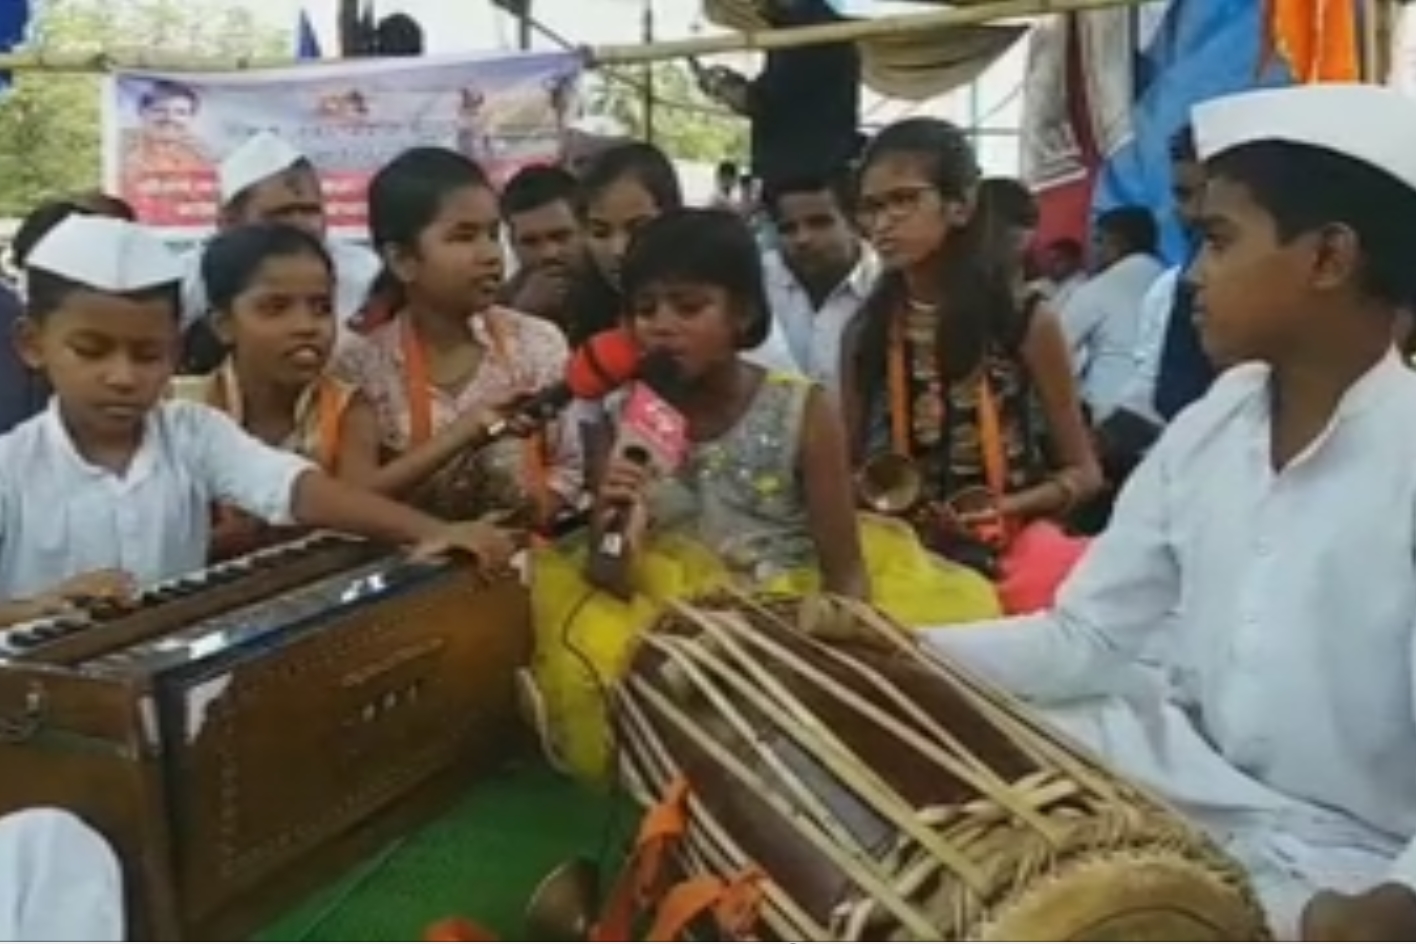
(165,134)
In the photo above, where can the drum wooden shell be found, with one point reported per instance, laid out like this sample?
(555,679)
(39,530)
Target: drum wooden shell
(887,797)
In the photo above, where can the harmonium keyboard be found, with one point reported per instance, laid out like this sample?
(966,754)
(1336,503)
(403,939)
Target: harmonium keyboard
(243,735)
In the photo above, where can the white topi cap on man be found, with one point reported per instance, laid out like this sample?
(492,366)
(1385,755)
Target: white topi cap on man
(59,880)
(107,254)
(1368,123)
(264,155)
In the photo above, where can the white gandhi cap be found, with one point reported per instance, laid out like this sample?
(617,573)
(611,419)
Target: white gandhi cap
(107,254)
(262,156)
(1371,124)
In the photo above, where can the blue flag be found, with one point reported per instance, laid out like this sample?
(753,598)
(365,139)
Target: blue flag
(1201,50)
(14,28)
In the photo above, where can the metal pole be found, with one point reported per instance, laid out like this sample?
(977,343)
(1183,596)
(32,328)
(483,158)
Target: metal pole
(650,86)
(55,60)
(525,27)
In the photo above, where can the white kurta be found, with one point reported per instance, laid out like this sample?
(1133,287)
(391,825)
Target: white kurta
(1285,604)
(59,881)
(61,516)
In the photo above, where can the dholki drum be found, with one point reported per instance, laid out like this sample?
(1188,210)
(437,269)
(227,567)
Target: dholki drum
(878,795)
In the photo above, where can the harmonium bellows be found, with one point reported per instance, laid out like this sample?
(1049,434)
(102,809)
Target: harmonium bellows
(245,734)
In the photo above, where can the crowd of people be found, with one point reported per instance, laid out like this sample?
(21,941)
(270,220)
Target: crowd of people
(1233,633)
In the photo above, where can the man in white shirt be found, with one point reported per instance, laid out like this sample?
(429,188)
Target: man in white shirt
(268,180)
(727,183)
(1165,332)
(1102,318)
(547,239)
(1156,307)
(59,880)
(1064,270)
(1288,727)
(818,280)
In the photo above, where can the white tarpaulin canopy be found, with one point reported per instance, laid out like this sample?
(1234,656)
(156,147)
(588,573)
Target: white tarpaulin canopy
(912,66)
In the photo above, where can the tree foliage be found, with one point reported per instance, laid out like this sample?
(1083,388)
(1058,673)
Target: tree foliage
(51,123)
(685,122)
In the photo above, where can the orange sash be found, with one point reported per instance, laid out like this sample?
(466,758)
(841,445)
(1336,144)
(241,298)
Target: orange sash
(418,392)
(1036,556)
(990,423)
(325,403)
(322,406)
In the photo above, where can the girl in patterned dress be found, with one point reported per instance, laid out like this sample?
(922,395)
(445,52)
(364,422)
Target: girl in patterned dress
(764,502)
(959,370)
(447,351)
(271,288)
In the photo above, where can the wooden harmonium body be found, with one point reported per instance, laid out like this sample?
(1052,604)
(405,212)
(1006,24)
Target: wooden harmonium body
(244,735)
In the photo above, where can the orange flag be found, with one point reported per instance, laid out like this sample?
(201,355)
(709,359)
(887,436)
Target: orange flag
(1318,39)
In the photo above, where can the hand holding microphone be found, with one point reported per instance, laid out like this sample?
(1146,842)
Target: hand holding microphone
(598,368)
(627,481)
(652,443)
(605,363)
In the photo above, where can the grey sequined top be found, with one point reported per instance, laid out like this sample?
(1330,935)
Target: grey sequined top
(741,495)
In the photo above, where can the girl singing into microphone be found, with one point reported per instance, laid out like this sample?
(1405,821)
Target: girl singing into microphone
(764,501)
(446,348)
(271,290)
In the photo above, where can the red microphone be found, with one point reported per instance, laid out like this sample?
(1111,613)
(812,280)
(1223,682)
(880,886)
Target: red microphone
(603,364)
(598,368)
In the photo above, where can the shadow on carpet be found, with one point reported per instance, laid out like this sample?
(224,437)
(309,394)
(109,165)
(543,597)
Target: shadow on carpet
(481,861)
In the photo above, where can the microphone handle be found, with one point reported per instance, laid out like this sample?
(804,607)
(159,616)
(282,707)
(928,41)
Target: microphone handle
(540,407)
(608,566)
(498,430)
(609,563)
(614,542)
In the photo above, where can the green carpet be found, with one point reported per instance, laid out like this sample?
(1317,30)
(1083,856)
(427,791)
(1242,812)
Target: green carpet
(480,861)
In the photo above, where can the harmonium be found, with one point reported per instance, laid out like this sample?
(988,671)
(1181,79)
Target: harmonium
(244,735)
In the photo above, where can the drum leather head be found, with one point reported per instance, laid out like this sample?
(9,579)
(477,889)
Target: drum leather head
(1130,897)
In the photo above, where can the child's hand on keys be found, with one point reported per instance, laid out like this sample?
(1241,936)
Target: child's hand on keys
(101,585)
(492,545)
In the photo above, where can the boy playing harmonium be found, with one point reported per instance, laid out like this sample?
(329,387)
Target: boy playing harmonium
(111,488)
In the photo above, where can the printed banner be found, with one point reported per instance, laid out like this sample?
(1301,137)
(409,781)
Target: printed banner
(166,134)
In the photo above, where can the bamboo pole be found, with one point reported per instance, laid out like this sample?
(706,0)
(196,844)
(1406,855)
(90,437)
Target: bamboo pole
(974,14)
(1383,38)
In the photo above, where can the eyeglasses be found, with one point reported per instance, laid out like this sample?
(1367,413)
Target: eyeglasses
(894,205)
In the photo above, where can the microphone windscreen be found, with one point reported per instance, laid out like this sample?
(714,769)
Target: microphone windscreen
(605,363)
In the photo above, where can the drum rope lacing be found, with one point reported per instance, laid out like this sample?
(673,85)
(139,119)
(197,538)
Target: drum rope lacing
(950,867)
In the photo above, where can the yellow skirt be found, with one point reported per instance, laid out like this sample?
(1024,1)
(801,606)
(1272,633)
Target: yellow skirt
(584,637)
